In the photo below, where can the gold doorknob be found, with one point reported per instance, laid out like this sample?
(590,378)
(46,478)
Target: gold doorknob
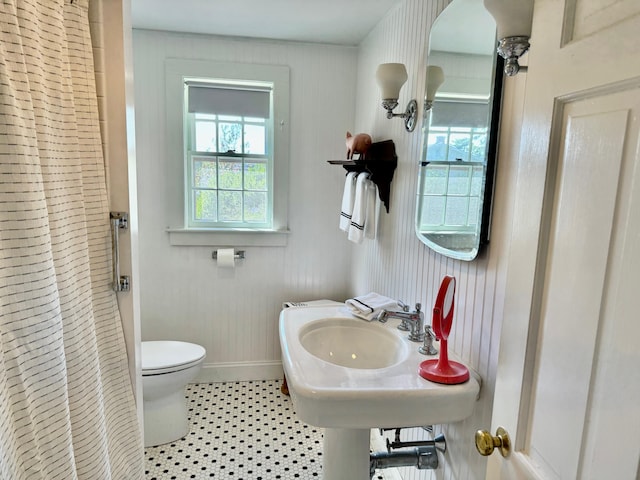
(486,443)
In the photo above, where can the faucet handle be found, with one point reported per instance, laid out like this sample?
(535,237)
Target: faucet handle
(418,307)
(427,348)
(403,306)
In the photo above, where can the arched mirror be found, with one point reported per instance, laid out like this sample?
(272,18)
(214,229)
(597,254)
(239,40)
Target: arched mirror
(455,186)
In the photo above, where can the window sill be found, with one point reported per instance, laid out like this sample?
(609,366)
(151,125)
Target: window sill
(237,237)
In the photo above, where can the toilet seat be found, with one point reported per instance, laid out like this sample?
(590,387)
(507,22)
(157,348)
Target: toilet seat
(161,357)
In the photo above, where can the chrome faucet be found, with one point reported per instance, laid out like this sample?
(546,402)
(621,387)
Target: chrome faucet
(415,320)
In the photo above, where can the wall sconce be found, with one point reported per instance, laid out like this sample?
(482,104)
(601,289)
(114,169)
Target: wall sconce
(513,19)
(390,78)
(435,78)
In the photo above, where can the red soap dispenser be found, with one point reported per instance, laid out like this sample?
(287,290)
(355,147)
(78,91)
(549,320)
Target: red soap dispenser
(443,370)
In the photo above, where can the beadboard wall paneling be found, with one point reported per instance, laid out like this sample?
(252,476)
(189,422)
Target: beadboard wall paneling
(399,266)
(233,313)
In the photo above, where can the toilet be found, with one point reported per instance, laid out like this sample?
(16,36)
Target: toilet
(167,367)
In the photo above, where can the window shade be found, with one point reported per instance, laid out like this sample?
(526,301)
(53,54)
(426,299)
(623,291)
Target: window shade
(457,114)
(229,101)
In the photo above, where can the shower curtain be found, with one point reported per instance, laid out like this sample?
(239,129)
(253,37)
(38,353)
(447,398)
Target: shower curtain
(66,403)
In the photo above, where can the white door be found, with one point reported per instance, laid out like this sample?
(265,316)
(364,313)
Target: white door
(568,382)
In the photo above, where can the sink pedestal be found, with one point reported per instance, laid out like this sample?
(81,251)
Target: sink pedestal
(346,454)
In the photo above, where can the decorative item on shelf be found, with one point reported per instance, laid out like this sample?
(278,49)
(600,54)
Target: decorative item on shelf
(391,77)
(513,19)
(443,370)
(435,78)
(359,144)
(380,161)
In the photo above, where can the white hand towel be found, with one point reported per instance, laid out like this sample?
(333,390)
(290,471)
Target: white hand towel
(373,210)
(359,215)
(369,306)
(348,197)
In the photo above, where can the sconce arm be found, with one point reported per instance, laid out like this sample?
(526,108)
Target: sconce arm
(409,115)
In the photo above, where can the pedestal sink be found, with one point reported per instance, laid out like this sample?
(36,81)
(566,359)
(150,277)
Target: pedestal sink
(349,376)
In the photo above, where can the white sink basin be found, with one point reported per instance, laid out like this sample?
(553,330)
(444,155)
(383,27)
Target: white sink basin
(343,342)
(344,372)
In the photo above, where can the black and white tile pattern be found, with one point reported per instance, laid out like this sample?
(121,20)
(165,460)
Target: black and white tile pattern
(243,431)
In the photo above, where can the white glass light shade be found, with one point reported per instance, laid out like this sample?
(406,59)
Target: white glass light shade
(513,17)
(435,78)
(391,77)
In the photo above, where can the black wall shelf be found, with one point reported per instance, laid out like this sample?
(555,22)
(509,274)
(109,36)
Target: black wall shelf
(381,162)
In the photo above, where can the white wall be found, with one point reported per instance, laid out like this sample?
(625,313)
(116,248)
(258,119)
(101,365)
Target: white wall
(234,313)
(398,265)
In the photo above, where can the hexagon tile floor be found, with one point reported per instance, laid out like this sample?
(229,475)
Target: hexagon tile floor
(240,431)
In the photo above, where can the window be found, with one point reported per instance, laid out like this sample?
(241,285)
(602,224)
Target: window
(228,141)
(453,177)
(228,152)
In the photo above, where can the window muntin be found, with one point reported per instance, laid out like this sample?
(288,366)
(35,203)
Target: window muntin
(229,157)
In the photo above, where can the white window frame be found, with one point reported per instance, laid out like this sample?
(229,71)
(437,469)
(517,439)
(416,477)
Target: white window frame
(177,71)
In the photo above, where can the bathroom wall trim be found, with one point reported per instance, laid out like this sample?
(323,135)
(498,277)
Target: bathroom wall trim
(239,372)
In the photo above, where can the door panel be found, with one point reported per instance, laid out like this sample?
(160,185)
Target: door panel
(592,16)
(575,289)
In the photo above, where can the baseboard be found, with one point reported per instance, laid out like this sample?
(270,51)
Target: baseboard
(239,372)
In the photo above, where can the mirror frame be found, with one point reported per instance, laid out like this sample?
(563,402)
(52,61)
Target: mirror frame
(492,151)
(490,173)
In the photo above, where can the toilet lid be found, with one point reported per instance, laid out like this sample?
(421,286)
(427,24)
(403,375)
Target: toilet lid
(169,355)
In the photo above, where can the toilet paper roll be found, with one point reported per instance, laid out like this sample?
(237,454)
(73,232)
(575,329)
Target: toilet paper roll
(226,258)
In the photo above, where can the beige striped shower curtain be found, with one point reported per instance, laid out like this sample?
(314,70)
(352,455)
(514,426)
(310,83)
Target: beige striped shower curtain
(66,402)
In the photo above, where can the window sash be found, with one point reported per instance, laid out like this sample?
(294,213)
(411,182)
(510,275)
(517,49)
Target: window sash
(441,145)
(452,197)
(212,196)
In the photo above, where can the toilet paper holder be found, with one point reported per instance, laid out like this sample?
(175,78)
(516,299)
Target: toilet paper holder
(238,255)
